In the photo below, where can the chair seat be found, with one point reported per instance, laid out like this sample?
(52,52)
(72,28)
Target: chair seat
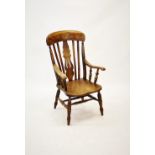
(81,87)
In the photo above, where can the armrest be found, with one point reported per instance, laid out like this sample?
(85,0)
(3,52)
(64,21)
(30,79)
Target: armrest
(59,73)
(94,66)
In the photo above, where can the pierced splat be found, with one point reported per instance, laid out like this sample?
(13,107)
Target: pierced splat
(68,63)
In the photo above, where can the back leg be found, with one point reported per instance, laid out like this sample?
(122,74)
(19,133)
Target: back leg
(100,102)
(56,98)
(69,111)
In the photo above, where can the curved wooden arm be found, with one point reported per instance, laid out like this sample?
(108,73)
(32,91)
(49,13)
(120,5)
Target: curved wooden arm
(59,73)
(93,66)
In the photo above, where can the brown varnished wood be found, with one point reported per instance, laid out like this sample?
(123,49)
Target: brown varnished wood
(74,59)
(68,63)
(55,52)
(62,66)
(79,97)
(90,74)
(56,98)
(78,56)
(96,76)
(83,61)
(63,103)
(94,98)
(58,72)
(53,62)
(77,88)
(93,66)
(81,88)
(100,102)
(64,35)
(82,101)
(52,56)
(69,112)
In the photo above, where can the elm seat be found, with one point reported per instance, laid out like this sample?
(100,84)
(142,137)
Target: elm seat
(72,70)
(81,88)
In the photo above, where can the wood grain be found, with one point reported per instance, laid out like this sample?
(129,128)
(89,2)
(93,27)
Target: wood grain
(64,35)
(68,63)
(81,88)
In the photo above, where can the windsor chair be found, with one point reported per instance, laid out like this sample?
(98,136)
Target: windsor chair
(70,67)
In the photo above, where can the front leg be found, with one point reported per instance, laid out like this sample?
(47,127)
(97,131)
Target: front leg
(69,111)
(56,98)
(100,102)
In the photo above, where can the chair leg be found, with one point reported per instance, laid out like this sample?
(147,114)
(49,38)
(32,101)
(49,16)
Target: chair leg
(100,102)
(56,98)
(69,112)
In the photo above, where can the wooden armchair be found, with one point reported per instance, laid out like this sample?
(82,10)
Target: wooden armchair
(71,72)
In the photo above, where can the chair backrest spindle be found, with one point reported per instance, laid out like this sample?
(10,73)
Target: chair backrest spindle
(90,74)
(74,58)
(62,66)
(78,57)
(83,61)
(96,76)
(51,54)
(55,52)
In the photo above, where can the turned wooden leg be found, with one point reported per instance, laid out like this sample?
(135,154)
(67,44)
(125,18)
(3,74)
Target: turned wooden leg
(69,112)
(56,98)
(100,102)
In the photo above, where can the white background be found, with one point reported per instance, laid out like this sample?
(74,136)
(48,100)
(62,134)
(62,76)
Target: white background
(106,25)
(12,77)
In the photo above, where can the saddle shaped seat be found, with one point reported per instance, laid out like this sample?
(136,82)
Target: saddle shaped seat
(81,88)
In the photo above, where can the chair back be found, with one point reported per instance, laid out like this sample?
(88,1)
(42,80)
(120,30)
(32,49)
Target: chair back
(68,53)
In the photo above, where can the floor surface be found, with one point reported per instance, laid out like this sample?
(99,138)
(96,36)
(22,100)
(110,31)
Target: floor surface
(89,133)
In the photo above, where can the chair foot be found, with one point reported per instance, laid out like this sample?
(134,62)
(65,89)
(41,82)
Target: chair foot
(69,112)
(56,98)
(101,110)
(68,121)
(100,103)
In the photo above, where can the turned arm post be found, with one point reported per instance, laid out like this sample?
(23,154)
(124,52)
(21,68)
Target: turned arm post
(90,74)
(96,76)
(90,70)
